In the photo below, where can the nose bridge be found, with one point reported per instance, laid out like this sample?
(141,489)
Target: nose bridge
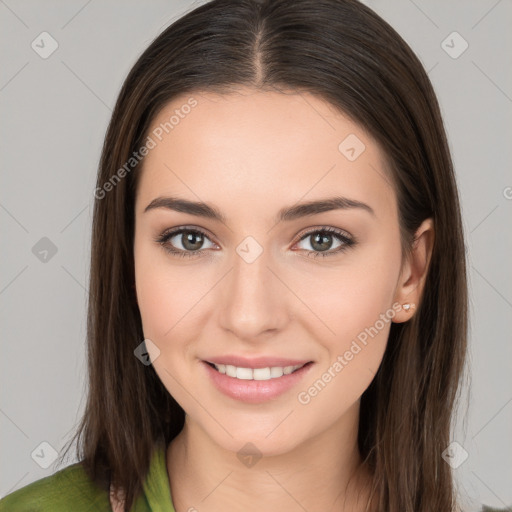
(252,296)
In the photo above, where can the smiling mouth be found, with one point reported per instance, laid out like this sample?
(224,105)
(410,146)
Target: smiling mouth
(269,373)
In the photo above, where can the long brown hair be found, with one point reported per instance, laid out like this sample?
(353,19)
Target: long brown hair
(344,53)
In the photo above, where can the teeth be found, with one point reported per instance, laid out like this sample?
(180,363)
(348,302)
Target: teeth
(244,373)
(257,373)
(276,372)
(230,370)
(262,373)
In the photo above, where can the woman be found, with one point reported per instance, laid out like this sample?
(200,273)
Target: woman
(278,310)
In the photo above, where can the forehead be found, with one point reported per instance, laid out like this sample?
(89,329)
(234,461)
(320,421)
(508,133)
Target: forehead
(253,147)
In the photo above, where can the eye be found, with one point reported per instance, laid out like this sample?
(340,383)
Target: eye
(190,240)
(322,242)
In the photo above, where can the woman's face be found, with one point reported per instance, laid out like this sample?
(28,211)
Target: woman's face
(258,288)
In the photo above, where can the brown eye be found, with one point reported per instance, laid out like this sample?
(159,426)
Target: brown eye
(183,241)
(323,240)
(191,240)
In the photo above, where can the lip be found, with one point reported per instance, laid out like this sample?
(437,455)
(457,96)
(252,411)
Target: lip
(255,362)
(256,391)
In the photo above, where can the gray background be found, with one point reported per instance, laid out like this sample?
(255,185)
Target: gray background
(54,116)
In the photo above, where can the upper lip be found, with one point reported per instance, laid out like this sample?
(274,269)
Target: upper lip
(256,362)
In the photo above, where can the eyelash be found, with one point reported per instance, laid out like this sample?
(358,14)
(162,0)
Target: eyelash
(347,242)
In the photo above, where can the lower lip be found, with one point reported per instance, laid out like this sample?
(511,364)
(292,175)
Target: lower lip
(255,391)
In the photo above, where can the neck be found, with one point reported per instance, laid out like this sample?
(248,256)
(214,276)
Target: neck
(323,473)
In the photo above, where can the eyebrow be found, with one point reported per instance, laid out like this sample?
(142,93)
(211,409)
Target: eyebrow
(290,213)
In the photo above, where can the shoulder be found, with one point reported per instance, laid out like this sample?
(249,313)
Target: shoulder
(68,489)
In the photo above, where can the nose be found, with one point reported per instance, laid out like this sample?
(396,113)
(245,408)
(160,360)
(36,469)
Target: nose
(253,299)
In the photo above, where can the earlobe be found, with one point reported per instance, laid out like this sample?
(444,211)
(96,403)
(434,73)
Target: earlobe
(408,306)
(405,312)
(410,288)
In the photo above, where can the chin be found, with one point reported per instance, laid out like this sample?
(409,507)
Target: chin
(262,438)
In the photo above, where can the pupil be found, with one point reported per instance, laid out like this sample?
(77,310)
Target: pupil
(189,241)
(320,238)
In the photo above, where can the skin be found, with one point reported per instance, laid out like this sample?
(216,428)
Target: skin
(250,153)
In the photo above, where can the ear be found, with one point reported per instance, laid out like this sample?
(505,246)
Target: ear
(414,272)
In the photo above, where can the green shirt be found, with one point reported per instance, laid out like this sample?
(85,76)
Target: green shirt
(71,490)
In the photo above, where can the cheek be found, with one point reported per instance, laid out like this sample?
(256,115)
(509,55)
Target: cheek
(165,309)
(154,299)
(349,299)
(355,309)
(164,293)
(354,355)
(170,300)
